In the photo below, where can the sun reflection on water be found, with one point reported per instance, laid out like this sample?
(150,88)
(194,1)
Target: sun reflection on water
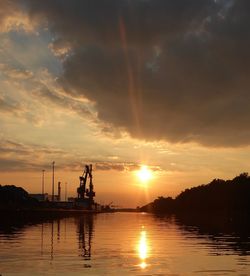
(143,249)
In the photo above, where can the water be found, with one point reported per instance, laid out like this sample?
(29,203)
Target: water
(123,244)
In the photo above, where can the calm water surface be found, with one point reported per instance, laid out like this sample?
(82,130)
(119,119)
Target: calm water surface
(121,244)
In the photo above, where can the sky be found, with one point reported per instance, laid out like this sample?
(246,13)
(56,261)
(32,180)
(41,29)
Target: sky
(121,84)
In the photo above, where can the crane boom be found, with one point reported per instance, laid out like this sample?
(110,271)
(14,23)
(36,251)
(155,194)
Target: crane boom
(81,190)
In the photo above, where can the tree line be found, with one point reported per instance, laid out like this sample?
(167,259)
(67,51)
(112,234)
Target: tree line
(225,196)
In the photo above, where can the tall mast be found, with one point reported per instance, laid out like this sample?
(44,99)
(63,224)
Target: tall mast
(43,181)
(53,179)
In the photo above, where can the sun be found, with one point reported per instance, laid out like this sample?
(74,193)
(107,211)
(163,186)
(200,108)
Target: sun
(144,174)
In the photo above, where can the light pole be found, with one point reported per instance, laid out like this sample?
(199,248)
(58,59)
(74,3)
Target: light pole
(53,179)
(43,182)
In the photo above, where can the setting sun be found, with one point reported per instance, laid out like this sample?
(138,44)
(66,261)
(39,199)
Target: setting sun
(144,174)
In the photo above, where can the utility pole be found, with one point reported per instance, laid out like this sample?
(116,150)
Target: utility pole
(43,182)
(53,179)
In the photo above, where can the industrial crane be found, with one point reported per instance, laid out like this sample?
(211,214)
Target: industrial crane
(81,190)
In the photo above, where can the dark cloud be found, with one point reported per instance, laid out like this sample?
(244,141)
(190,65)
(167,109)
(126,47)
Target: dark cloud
(121,166)
(9,146)
(171,70)
(13,165)
(94,21)
(16,156)
(117,166)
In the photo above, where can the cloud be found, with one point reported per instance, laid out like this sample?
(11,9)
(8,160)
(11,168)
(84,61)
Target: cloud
(30,93)
(10,146)
(46,89)
(64,101)
(60,48)
(13,165)
(95,22)
(15,73)
(17,156)
(117,166)
(14,17)
(159,70)
(7,106)
(121,166)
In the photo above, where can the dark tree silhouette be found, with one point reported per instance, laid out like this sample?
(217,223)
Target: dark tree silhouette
(230,196)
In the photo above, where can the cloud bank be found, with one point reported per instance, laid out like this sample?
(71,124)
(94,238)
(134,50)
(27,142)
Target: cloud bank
(158,69)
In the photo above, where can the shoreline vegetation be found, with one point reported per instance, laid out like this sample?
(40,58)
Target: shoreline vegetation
(228,198)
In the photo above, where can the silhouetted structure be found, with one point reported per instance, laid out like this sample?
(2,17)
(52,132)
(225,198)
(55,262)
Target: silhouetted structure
(43,181)
(12,197)
(59,191)
(85,197)
(53,179)
(40,197)
(228,197)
